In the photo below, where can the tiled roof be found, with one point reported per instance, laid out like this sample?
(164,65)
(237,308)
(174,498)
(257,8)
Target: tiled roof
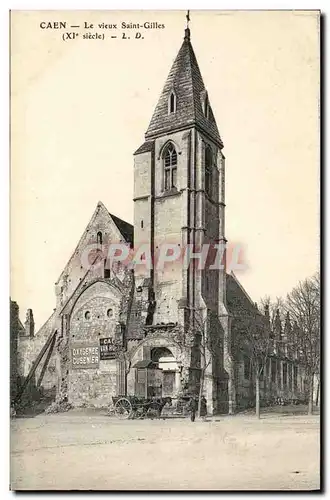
(126,229)
(238,302)
(145,148)
(145,363)
(186,81)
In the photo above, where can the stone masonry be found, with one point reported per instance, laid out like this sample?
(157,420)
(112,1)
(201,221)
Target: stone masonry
(173,318)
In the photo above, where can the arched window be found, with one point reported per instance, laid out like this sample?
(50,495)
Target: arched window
(99,239)
(170,167)
(208,170)
(172,103)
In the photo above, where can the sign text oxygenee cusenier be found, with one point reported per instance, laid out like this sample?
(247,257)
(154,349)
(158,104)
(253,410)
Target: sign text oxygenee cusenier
(85,356)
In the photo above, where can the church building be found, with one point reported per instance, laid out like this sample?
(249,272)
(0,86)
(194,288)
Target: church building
(151,330)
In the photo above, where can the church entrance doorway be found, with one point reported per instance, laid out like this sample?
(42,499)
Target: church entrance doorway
(169,369)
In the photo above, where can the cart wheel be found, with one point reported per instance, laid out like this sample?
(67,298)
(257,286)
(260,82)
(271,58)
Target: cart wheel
(123,408)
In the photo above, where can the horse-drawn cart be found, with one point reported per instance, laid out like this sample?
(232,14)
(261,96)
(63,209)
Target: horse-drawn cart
(136,407)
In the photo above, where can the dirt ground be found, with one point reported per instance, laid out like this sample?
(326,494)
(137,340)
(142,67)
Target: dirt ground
(87,450)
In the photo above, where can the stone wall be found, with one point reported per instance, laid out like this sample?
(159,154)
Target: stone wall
(95,315)
(270,390)
(93,387)
(14,333)
(77,272)
(28,350)
(142,205)
(170,216)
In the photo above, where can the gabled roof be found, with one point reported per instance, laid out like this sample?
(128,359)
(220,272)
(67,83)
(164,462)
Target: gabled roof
(238,300)
(146,147)
(125,229)
(186,81)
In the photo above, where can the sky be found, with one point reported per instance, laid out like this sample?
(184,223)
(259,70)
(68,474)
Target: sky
(80,108)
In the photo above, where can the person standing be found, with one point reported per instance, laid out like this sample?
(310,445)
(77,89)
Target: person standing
(203,411)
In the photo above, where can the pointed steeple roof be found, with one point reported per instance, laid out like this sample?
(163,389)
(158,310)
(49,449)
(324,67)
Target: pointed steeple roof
(186,81)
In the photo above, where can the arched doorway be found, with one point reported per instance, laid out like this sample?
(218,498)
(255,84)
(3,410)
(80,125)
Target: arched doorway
(157,368)
(169,368)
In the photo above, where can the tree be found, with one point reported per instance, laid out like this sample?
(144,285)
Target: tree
(252,339)
(303,304)
(203,345)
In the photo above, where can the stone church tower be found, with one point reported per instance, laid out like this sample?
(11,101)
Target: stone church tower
(164,328)
(179,199)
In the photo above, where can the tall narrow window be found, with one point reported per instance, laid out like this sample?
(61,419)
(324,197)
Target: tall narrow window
(172,103)
(106,269)
(285,374)
(208,170)
(295,378)
(274,370)
(99,239)
(170,167)
(290,376)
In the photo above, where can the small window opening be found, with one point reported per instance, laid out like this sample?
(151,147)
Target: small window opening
(99,239)
(172,103)
(106,272)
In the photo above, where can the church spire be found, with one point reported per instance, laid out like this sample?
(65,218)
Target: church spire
(188,18)
(184,102)
(187,30)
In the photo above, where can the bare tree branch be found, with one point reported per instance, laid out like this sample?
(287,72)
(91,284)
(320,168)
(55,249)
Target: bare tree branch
(303,305)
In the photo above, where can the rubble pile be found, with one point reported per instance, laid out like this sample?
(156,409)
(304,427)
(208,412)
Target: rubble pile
(59,407)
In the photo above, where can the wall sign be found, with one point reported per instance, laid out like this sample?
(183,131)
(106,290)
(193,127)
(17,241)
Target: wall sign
(107,349)
(84,356)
